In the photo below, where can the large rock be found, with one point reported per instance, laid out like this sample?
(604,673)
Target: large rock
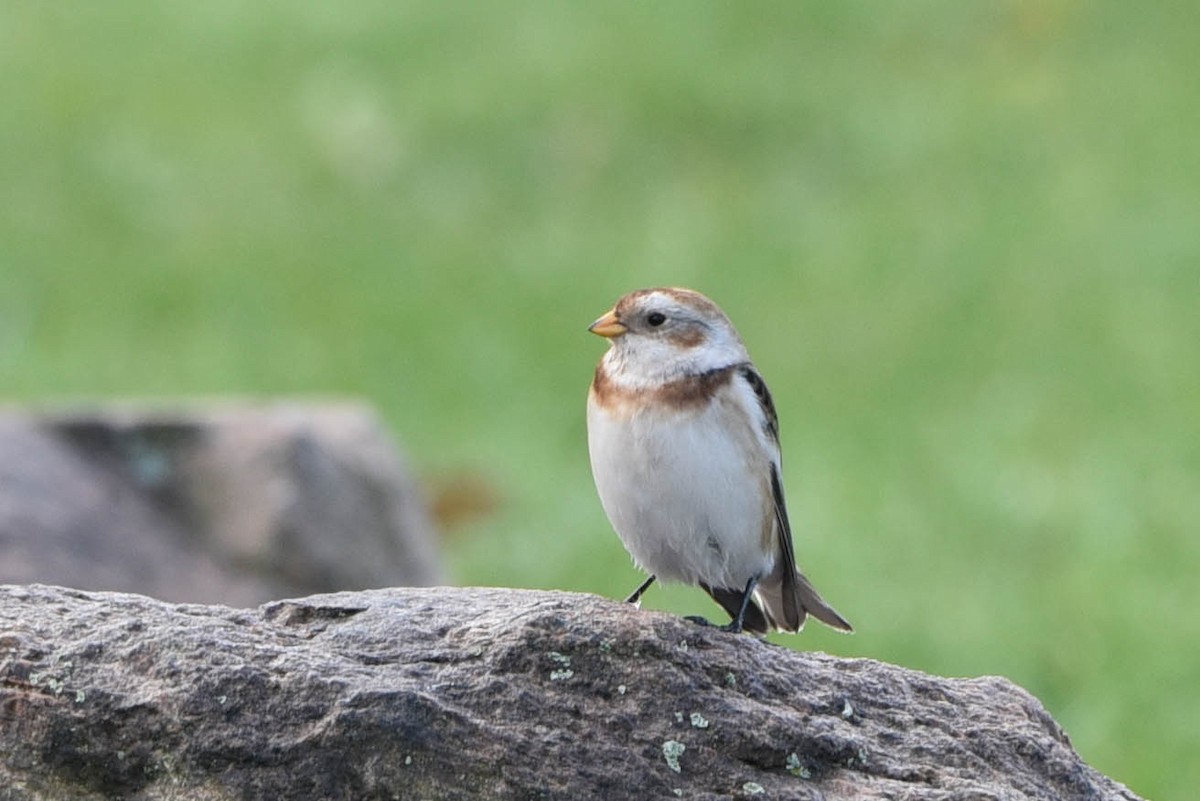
(235,504)
(486,693)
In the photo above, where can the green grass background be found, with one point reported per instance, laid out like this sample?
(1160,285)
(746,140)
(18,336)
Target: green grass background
(960,239)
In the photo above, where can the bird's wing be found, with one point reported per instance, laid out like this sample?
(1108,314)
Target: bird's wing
(792,613)
(796,595)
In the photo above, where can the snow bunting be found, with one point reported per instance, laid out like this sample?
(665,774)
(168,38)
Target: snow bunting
(684,445)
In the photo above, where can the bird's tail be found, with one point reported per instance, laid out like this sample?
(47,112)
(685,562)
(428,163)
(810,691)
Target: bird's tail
(787,597)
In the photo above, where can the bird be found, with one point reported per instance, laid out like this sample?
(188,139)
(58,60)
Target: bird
(683,440)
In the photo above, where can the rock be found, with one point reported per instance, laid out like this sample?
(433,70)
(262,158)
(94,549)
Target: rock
(237,504)
(486,693)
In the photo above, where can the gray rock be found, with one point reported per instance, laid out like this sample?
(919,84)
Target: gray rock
(235,504)
(486,693)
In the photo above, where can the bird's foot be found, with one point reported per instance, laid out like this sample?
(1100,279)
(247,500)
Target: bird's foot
(699,621)
(636,597)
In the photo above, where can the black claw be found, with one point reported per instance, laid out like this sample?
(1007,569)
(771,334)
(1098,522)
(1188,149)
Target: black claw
(637,594)
(699,621)
(735,626)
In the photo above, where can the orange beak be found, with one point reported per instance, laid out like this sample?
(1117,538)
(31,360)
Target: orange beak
(608,326)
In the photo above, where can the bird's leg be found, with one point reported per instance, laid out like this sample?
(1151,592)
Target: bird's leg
(637,594)
(735,625)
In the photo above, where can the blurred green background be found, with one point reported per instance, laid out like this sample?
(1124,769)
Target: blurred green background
(961,241)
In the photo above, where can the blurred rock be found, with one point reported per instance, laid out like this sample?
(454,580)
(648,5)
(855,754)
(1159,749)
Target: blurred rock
(236,504)
(486,693)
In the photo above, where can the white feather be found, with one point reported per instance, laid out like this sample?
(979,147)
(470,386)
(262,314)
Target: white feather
(688,491)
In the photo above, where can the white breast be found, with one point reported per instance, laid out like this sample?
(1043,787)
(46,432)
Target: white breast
(687,491)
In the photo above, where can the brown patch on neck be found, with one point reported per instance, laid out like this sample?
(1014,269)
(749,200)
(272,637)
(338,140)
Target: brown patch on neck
(689,337)
(688,392)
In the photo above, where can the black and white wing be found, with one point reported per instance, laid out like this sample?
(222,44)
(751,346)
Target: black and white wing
(786,594)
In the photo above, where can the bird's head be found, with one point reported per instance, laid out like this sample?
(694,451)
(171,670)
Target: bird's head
(665,333)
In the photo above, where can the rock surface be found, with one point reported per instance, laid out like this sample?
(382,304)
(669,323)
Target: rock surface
(236,504)
(486,693)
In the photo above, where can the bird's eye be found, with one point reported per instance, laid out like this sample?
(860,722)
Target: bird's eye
(656,318)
